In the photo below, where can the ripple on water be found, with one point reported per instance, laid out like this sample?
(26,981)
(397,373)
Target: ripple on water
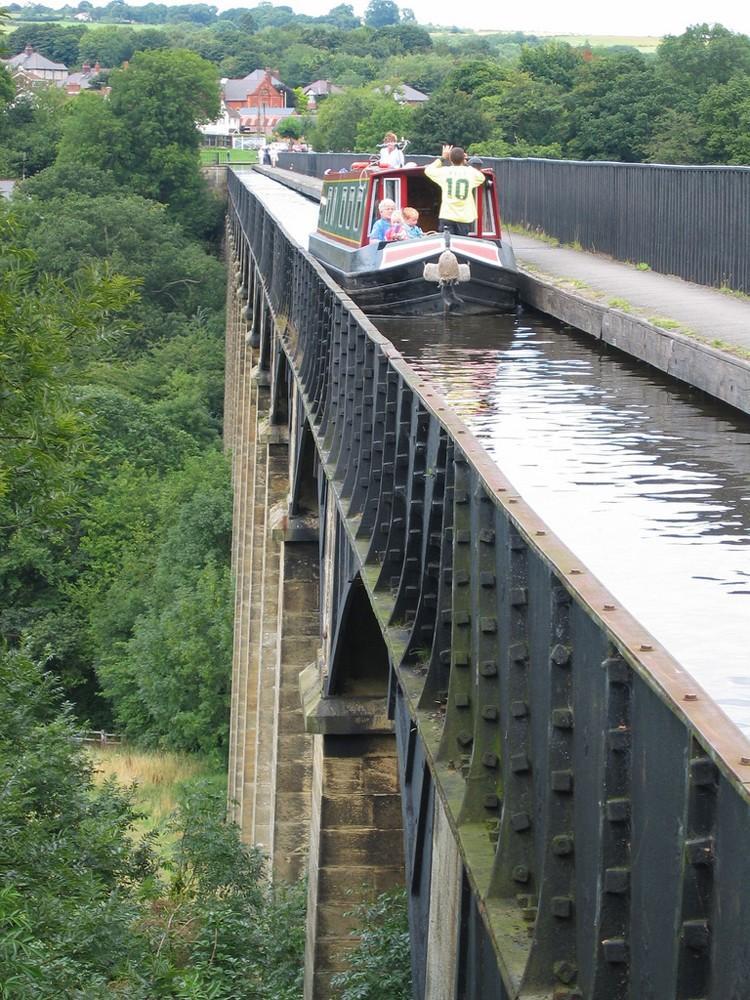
(645,480)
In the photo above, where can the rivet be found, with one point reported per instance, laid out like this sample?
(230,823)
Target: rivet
(609,607)
(744,760)
(565,971)
(540,533)
(690,696)
(645,648)
(576,572)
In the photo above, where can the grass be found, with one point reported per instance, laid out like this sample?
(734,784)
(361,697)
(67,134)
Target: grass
(622,304)
(664,323)
(734,293)
(156,775)
(212,156)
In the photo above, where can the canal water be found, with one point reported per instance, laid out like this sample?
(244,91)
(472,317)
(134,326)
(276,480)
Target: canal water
(646,481)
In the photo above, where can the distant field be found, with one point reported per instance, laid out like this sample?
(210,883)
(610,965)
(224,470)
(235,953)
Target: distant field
(645,43)
(14,23)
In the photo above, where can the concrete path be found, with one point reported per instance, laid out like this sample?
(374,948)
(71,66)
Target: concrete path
(718,318)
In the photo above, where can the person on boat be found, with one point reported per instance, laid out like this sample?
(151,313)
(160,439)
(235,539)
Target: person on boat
(397,230)
(457,182)
(411,221)
(390,154)
(386,208)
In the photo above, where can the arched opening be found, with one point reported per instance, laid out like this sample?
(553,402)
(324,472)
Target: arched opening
(360,662)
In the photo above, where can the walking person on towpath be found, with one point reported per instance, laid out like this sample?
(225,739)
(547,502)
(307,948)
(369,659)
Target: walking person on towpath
(457,182)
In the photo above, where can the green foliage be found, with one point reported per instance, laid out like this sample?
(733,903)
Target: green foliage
(7,88)
(30,130)
(67,864)
(554,62)
(382,12)
(45,322)
(87,910)
(527,110)
(60,44)
(380,962)
(112,46)
(449,116)
(614,107)
(725,117)
(702,57)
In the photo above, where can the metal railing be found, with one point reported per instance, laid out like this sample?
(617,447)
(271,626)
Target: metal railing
(690,221)
(599,798)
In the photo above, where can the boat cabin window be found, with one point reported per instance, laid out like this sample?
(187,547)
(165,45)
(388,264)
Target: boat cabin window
(489,222)
(392,189)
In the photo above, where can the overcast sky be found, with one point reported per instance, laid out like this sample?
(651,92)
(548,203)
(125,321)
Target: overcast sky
(590,17)
(579,17)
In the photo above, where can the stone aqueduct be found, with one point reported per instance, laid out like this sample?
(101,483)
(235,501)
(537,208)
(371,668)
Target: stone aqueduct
(430,690)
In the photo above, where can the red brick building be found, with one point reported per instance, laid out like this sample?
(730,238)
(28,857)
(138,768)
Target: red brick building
(259,89)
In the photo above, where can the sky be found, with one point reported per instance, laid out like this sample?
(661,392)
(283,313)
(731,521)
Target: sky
(589,17)
(577,17)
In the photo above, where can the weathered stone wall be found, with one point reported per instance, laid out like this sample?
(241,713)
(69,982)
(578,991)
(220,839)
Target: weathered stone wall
(328,803)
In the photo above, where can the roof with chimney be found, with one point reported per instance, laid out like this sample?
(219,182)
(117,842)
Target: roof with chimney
(322,88)
(237,90)
(31,61)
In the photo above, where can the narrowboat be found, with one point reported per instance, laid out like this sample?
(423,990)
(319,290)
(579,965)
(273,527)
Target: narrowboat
(434,273)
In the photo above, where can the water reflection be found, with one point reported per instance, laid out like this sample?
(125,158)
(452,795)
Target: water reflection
(646,481)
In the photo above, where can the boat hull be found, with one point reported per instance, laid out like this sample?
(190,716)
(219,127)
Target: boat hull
(388,280)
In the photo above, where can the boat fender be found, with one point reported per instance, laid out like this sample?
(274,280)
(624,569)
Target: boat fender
(447,271)
(360,164)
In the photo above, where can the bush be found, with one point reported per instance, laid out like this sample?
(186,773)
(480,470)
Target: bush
(380,963)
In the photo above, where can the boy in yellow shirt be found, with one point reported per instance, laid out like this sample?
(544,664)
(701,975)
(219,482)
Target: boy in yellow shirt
(457,182)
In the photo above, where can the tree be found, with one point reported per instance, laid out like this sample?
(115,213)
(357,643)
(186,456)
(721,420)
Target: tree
(336,123)
(702,57)
(679,137)
(725,116)
(379,13)
(528,111)
(449,116)
(30,130)
(407,38)
(613,109)
(7,88)
(155,104)
(385,115)
(290,128)
(342,16)
(553,62)
(45,323)
(56,43)
(112,46)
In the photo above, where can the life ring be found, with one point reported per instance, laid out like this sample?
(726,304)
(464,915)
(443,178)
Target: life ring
(360,164)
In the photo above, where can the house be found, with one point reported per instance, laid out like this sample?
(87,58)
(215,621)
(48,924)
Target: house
(318,90)
(262,120)
(29,68)
(77,82)
(405,94)
(256,90)
(221,132)
(6,188)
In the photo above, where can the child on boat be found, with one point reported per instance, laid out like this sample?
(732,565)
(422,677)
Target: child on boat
(411,220)
(398,229)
